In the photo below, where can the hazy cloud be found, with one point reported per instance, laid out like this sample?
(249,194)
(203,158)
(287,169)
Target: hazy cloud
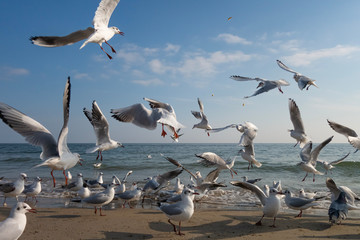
(149,82)
(232,39)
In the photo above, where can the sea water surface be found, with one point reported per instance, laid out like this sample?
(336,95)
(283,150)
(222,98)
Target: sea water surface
(278,163)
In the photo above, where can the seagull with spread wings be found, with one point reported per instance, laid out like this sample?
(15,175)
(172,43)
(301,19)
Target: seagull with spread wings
(264,84)
(204,124)
(99,34)
(299,131)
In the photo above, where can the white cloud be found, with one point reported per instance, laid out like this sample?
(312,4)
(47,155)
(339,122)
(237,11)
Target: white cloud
(232,39)
(82,76)
(284,34)
(149,82)
(171,48)
(11,71)
(307,57)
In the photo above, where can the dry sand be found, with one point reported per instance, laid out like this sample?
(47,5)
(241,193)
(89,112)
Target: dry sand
(82,223)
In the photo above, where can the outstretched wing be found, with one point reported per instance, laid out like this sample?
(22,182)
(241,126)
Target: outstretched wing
(286,68)
(103,13)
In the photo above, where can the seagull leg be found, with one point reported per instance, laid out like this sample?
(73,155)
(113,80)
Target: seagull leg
(300,214)
(98,155)
(280,90)
(305,177)
(95,210)
(66,179)
(101,213)
(259,222)
(208,134)
(179,230)
(296,143)
(273,226)
(53,177)
(112,49)
(106,53)
(163,133)
(313,177)
(4,204)
(172,225)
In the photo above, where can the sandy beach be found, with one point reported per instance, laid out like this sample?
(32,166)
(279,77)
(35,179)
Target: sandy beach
(137,223)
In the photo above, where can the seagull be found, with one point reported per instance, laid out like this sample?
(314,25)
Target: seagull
(204,124)
(84,192)
(303,81)
(298,203)
(335,193)
(329,165)
(68,175)
(248,130)
(298,132)
(100,199)
(308,195)
(309,158)
(33,189)
(338,209)
(264,84)
(179,187)
(212,159)
(13,189)
(99,34)
(75,186)
(271,202)
(101,129)
(13,226)
(139,115)
(246,179)
(122,187)
(350,134)
(56,156)
(248,154)
(181,210)
(95,183)
(130,195)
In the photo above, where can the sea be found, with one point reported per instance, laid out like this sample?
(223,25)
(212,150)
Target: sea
(279,163)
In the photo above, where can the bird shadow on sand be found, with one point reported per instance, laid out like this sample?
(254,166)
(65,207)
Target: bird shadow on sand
(124,235)
(61,216)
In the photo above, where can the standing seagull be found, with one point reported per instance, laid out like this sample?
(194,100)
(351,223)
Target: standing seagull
(349,194)
(33,189)
(212,159)
(13,189)
(298,132)
(338,209)
(302,80)
(101,129)
(309,158)
(101,33)
(264,84)
(13,226)
(298,203)
(204,124)
(181,210)
(271,202)
(56,156)
(350,134)
(139,115)
(102,198)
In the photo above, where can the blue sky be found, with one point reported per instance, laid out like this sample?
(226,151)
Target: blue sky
(176,51)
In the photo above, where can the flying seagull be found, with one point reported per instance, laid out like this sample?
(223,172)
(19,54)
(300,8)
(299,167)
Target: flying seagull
(99,34)
(203,124)
(264,84)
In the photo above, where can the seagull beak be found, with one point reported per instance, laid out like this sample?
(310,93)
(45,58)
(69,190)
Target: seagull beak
(121,33)
(33,210)
(195,193)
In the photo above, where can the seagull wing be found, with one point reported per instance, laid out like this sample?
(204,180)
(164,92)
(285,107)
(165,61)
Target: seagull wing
(137,114)
(88,115)
(62,140)
(214,130)
(315,153)
(212,176)
(171,209)
(295,116)
(286,68)
(331,185)
(242,79)
(34,133)
(56,41)
(305,153)
(101,125)
(347,132)
(339,160)
(201,105)
(197,114)
(252,187)
(103,13)
(156,104)
(163,178)
(211,159)
(7,187)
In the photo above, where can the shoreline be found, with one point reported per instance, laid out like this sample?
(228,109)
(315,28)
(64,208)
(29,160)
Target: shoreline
(137,223)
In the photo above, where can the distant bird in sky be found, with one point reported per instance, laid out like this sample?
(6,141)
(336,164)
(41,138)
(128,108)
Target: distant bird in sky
(302,81)
(204,123)
(212,159)
(181,210)
(264,84)
(271,203)
(309,157)
(299,131)
(139,115)
(13,226)
(56,156)
(13,189)
(99,34)
(229,18)
(101,129)
(350,134)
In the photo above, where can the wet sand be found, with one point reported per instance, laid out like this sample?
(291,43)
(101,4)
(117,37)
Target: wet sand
(82,223)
